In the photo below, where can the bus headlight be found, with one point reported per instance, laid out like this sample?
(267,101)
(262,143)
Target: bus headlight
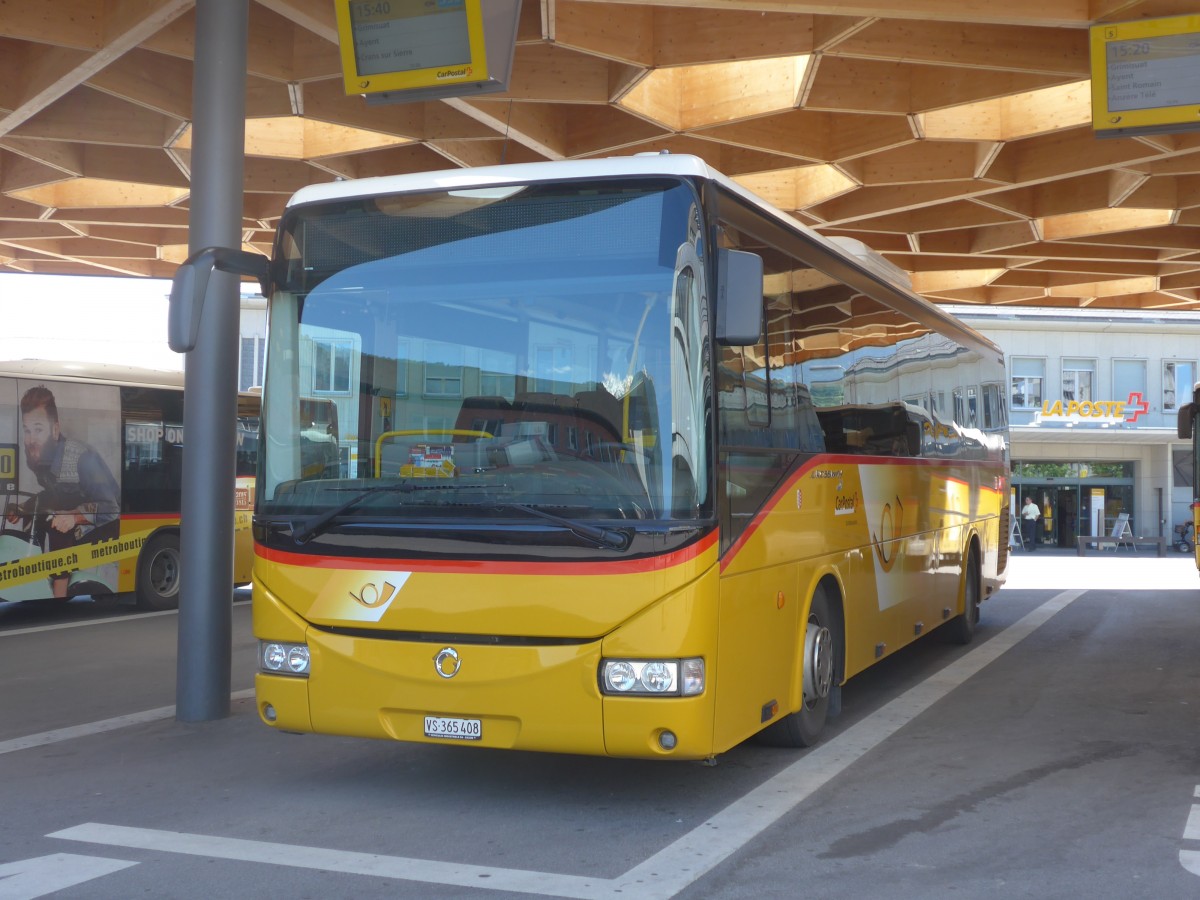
(655,677)
(284,659)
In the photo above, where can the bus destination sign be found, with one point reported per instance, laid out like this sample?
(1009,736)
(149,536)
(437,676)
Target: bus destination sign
(1146,77)
(391,45)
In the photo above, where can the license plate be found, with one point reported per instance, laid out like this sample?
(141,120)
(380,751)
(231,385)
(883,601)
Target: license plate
(453,729)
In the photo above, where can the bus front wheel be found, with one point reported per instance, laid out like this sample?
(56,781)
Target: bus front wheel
(158,573)
(822,666)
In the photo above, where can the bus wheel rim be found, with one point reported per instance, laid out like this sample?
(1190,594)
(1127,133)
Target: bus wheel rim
(818,662)
(164,573)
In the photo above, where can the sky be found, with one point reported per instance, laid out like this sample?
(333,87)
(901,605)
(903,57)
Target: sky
(86,318)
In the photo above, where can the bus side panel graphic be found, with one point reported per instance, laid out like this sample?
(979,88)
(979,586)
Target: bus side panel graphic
(65,496)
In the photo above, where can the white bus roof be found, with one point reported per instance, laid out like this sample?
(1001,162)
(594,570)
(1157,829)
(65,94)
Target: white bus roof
(676,165)
(640,164)
(58,370)
(522,173)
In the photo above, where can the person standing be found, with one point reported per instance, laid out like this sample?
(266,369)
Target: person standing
(1029,516)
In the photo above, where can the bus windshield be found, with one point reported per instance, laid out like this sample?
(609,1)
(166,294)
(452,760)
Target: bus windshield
(491,352)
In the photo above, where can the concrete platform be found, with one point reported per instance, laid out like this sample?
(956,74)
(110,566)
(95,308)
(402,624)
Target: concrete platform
(1047,569)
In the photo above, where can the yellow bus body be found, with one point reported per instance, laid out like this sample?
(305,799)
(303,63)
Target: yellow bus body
(136,530)
(1196,530)
(891,537)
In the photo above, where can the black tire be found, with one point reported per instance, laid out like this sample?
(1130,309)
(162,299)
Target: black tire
(100,593)
(822,666)
(1184,547)
(961,629)
(158,572)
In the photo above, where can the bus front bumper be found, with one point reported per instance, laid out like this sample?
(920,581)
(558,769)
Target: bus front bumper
(542,698)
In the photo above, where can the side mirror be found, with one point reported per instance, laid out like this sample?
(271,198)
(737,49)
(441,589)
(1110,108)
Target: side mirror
(1183,424)
(189,287)
(739,298)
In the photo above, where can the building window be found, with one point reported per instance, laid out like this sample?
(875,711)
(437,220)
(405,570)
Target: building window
(403,360)
(1181,464)
(966,406)
(496,374)
(443,369)
(552,366)
(993,406)
(1078,376)
(1042,470)
(1129,377)
(937,402)
(250,368)
(1179,380)
(1028,376)
(331,366)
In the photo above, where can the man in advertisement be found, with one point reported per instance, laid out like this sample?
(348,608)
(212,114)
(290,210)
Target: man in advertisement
(80,499)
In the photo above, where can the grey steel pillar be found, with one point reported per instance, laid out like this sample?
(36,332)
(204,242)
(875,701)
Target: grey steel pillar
(211,369)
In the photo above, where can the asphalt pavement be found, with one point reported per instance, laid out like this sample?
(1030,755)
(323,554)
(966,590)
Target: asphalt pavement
(1056,756)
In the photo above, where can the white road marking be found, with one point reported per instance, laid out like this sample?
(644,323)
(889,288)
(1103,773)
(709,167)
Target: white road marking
(110,620)
(77,731)
(667,872)
(26,879)
(1190,859)
(348,862)
(676,866)
(1191,831)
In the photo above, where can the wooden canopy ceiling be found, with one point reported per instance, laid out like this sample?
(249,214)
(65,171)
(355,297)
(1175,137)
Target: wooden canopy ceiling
(954,136)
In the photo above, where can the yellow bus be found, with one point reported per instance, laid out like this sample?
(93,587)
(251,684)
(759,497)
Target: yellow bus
(91,464)
(636,464)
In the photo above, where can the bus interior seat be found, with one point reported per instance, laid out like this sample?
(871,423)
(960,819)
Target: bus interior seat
(579,425)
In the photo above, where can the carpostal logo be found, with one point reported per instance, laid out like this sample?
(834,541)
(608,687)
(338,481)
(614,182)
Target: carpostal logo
(464,72)
(845,504)
(1099,412)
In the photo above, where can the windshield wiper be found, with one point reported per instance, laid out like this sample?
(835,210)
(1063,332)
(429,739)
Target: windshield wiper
(314,524)
(610,538)
(601,537)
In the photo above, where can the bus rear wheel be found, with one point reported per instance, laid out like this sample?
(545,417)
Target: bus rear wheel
(822,664)
(158,572)
(961,629)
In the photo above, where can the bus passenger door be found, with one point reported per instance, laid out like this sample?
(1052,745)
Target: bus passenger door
(763,539)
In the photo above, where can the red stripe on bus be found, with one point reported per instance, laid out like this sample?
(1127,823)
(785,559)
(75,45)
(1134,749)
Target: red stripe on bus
(840,459)
(495,567)
(772,501)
